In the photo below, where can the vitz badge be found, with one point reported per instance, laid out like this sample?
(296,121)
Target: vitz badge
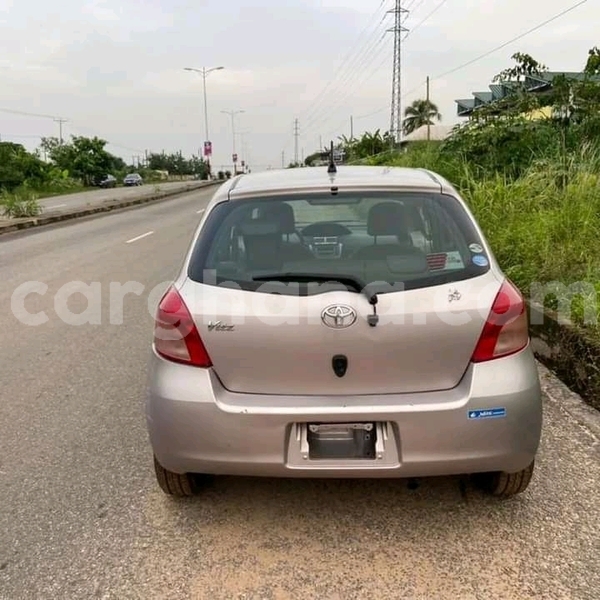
(219,326)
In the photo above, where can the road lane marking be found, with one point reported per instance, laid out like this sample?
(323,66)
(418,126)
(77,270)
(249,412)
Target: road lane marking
(199,212)
(55,206)
(139,237)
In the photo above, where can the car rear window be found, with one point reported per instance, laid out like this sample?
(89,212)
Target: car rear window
(411,240)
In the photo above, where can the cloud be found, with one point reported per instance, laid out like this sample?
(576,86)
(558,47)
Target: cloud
(115,67)
(101,11)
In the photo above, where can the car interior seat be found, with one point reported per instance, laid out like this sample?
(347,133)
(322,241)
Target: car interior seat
(283,213)
(387,219)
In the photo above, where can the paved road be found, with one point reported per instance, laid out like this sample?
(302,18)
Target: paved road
(81,516)
(98,196)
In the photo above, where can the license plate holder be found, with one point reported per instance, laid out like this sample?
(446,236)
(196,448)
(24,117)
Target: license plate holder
(341,441)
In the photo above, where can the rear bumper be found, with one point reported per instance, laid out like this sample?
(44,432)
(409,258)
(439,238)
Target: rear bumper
(195,425)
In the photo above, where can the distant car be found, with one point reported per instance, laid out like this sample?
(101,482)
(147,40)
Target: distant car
(107,182)
(133,179)
(353,324)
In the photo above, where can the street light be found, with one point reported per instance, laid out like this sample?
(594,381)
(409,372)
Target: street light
(205,72)
(232,114)
(243,153)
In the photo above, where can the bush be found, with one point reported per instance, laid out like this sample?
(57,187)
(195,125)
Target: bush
(543,226)
(18,206)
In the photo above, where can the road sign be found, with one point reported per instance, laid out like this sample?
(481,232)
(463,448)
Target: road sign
(234,157)
(207,148)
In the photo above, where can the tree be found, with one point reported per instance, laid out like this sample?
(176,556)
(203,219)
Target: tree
(525,66)
(368,144)
(503,138)
(178,165)
(17,166)
(83,158)
(310,160)
(419,113)
(592,66)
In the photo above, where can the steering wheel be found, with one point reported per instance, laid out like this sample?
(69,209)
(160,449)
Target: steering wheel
(325,229)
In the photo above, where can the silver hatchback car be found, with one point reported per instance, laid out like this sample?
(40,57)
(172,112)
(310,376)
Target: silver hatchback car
(342,324)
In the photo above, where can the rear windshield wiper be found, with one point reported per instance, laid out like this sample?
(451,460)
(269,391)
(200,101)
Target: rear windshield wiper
(352,282)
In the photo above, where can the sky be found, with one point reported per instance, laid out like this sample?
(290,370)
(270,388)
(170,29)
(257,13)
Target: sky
(115,68)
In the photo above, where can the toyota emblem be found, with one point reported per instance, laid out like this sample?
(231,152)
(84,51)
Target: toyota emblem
(338,316)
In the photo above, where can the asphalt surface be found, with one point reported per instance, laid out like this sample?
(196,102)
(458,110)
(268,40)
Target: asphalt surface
(81,515)
(91,198)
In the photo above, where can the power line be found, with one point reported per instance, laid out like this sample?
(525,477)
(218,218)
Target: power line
(321,114)
(60,121)
(414,8)
(348,83)
(342,80)
(515,39)
(484,55)
(21,136)
(339,82)
(348,55)
(356,78)
(27,114)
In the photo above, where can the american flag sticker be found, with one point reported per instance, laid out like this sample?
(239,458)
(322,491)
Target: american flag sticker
(436,261)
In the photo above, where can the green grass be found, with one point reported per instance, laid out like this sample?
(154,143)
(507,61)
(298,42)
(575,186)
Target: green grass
(543,227)
(18,205)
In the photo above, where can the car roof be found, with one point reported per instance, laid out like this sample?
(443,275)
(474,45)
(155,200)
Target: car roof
(317,179)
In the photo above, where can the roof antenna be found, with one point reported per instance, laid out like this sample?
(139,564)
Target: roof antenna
(331,168)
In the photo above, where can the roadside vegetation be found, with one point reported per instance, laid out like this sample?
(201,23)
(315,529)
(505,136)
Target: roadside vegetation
(64,167)
(533,183)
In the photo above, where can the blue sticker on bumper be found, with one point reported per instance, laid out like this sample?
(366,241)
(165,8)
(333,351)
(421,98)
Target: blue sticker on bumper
(490,413)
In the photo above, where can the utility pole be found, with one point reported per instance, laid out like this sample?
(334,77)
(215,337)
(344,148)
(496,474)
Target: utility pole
(351,128)
(244,150)
(296,134)
(283,159)
(232,114)
(60,124)
(205,72)
(396,108)
(428,123)
(320,144)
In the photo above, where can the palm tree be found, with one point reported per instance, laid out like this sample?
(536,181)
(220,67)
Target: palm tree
(419,113)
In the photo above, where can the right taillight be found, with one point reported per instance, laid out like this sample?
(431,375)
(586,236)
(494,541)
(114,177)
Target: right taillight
(176,336)
(506,330)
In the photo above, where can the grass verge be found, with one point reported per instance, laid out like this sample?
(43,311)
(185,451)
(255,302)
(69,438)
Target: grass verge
(543,227)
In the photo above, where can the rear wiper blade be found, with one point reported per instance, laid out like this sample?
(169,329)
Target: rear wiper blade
(356,284)
(352,282)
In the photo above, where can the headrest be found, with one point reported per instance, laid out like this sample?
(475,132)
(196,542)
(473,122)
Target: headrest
(281,212)
(261,228)
(387,218)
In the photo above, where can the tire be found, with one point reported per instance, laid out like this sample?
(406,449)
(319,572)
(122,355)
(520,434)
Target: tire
(175,484)
(506,485)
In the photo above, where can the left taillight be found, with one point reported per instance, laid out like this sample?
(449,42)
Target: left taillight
(176,336)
